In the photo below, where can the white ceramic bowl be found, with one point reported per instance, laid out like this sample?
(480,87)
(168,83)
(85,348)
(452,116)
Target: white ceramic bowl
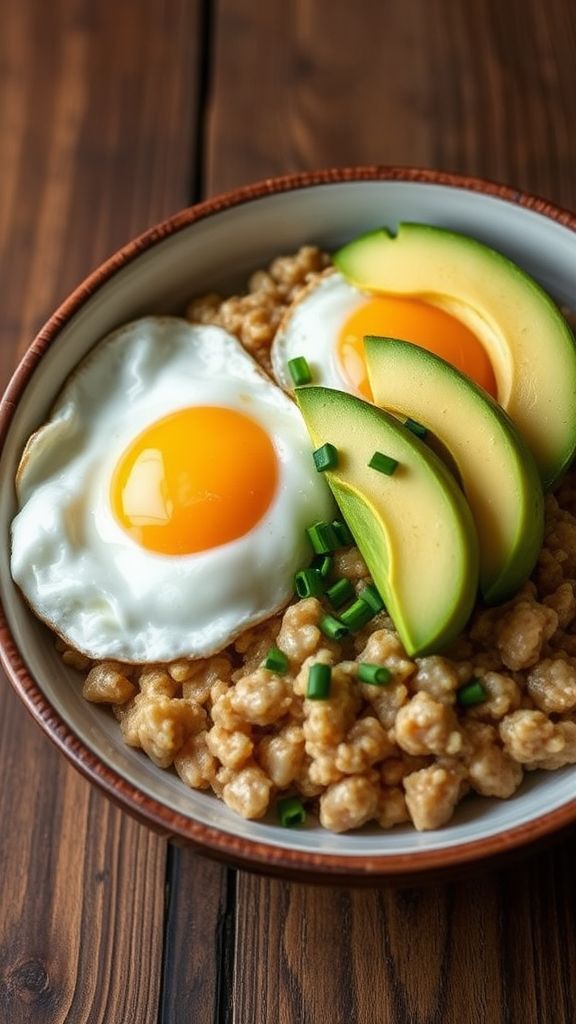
(215,246)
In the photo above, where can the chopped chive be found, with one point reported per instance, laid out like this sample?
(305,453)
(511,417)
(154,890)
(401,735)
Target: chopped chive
(308,583)
(343,533)
(471,693)
(276,661)
(372,598)
(291,811)
(357,615)
(376,675)
(319,679)
(340,593)
(415,427)
(383,463)
(325,457)
(322,564)
(333,628)
(299,371)
(323,538)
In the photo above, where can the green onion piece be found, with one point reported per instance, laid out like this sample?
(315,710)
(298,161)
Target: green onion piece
(291,811)
(471,693)
(376,675)
(299,371)
(383,463)
(322,538)
(325,457)
(322,564)
(356,616)
(276,661)
(372,598)
(308,583)
(319,679)
(333,628)
(340,593)
(415,427)
(343,533)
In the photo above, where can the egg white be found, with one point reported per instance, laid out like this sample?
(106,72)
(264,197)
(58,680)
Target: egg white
(311,327)
(83,574)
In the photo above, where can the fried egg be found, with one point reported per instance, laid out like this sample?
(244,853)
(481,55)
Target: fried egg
(327,325)
(163,506)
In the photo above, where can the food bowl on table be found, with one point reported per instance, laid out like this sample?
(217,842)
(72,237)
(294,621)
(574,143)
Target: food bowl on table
(215,247)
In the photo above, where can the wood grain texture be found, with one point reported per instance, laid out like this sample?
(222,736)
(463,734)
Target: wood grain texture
(496,949)
(482,88)
(199,941)
(82,908)
(98,114)
(98,120)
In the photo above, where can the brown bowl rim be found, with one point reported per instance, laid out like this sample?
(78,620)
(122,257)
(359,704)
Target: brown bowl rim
(244,852)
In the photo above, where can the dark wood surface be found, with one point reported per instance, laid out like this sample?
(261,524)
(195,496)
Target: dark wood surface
(114,113)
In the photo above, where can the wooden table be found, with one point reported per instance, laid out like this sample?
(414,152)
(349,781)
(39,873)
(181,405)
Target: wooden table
(113,114)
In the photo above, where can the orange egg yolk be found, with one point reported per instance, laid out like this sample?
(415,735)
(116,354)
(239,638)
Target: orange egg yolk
(392,316)
(198,478)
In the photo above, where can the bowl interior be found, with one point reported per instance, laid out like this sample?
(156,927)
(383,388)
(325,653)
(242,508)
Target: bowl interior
(218,253)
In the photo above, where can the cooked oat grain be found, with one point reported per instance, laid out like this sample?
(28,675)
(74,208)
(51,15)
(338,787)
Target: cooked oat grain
(386,755)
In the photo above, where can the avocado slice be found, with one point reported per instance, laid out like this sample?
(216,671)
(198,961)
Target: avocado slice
(531,347)
(497,470)
(413,528)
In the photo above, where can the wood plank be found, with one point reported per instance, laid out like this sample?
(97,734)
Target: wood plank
(98,108)
(199,947)
(81,921)
(497,948)
(483,88)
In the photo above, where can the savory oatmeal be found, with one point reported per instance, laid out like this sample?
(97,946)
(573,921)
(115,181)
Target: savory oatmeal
(405,748)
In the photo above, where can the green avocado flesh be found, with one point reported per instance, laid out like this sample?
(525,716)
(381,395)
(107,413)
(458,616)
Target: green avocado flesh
(413,528)
(497,470)
(530,345)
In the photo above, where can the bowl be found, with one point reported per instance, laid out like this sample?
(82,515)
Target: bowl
(214,246)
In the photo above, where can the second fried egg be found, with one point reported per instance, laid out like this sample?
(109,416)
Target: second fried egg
(328,323)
